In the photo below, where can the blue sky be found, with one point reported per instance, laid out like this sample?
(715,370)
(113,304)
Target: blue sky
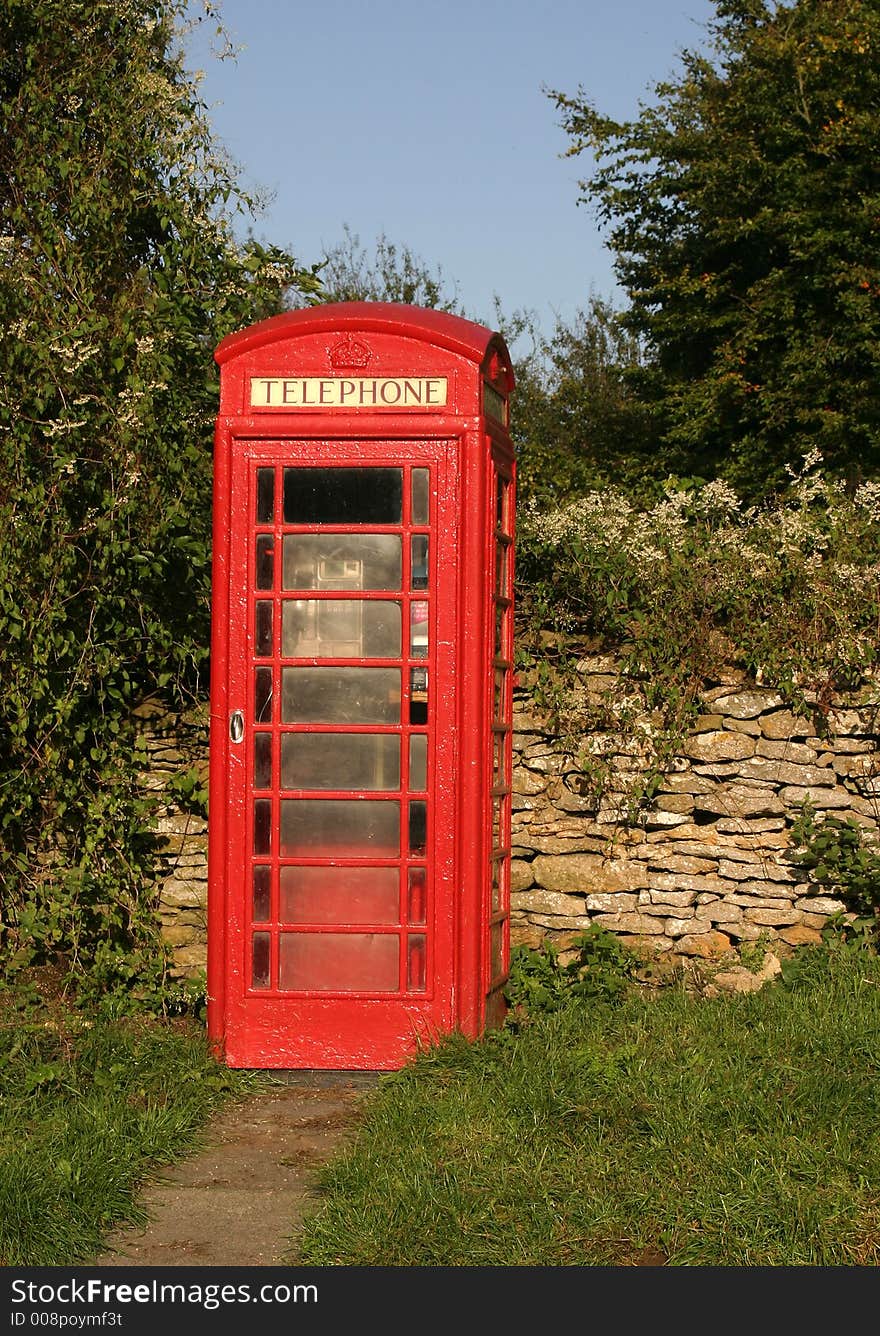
(428,122)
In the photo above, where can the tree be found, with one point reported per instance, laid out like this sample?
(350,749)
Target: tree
(576,422)
(744,214)
(392,273)
(120,273)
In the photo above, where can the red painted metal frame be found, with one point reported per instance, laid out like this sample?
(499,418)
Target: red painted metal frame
(468,449)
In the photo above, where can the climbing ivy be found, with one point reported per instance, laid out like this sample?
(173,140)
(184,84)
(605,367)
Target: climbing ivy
(120,272)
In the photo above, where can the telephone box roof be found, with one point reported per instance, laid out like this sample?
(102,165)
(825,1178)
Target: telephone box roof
(440,328)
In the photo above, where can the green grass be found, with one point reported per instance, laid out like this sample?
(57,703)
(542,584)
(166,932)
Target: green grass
(86,1111)
(727,1131)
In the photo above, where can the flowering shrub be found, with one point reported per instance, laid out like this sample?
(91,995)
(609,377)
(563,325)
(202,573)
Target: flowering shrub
(788,591)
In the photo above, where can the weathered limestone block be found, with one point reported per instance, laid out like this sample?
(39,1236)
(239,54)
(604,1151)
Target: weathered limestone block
(667,899)
(722,745)
(750,726)
(181,823)
(548,902)
(657,857)
(528,783)
(825,798)
(561,922)
(784,772)
(740,800)
(720,911)
(707,945)
(797,752)
(825,905)
(675,802)
(742,980)
(741,849)
(181,934)
(621,902)
(176,892)
(655,819)
(771,918)
(850,723)
(783,724)
(683,881)
(800,935)
(764,892)
(526,934)
(686,782)
(571,802)
(753,827)
(767,870)
(587,872)
(747,704)
(638,924)
(562,843)
(521,876)
(682,927)
(191,959)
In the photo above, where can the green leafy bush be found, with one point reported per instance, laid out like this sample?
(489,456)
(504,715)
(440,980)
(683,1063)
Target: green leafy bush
(835,852)
(600,970)
(119,275)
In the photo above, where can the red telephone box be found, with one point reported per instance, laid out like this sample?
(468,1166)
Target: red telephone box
(360,687)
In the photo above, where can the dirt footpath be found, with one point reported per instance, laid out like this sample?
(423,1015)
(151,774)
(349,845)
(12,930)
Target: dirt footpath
(239,1201)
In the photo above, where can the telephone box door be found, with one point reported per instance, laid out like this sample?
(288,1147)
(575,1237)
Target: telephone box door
(339,939)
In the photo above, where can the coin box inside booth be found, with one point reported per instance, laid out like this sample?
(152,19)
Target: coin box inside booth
(361,687)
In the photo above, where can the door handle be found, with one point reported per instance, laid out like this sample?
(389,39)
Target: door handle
(236,725)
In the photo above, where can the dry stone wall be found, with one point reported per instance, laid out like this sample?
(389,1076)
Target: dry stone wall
(178,745)
(707,865)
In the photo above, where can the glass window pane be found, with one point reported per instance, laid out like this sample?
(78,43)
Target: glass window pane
(265,496)
(502,566)
(263,628)
(262,895)
(418,630)
(315,962)
(418,826)
(340,695)
(497,758)
(341,895)
(262,826)
(501,515)
(337,628)
(499,708)
(262,760)
(418,695)
(496,950)
(342,561)
(265,560)
(416,953)
(260,960)
(417,896)
(419,561)
(498,822)
(343,496)
(420,512)
(262,695)
(339,827)
(340,761)
(418,762)
(499,869)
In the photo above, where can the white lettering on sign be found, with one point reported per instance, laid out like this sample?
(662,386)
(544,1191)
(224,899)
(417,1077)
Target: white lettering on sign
(348,392)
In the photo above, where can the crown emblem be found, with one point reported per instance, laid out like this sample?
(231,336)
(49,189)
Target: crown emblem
(349,354)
